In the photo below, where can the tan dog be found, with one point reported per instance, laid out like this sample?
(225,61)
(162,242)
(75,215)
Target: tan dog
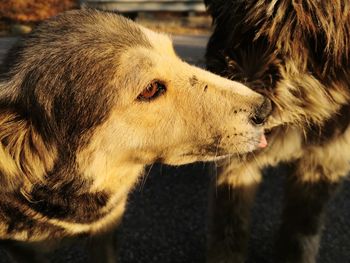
(87,100)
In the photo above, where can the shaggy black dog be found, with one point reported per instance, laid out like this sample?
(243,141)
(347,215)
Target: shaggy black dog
(297,54)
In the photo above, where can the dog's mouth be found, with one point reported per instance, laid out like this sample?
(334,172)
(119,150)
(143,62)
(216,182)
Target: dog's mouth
(217,151)
(268,133)
(263,141)
(260,142)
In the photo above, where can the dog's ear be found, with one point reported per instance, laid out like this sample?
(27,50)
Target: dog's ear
(24,156)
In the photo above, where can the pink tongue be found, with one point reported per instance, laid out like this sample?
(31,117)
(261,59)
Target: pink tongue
(263,141)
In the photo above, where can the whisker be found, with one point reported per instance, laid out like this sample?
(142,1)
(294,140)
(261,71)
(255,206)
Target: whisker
(260,166)
(248,167)
(216,167)
(144,178)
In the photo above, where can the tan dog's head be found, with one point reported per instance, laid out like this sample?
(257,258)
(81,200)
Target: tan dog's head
(92,83)
(169,111)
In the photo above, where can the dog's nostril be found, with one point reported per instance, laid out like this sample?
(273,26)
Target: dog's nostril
(257,120)
(262,112)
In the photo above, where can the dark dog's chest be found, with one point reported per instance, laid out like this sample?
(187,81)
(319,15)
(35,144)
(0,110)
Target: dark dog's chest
(331,128)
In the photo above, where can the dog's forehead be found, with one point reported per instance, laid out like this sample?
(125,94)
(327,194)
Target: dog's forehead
(159,41)
(88,29)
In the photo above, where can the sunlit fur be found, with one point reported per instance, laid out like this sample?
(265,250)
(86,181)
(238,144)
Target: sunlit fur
(297,53)
(74,136)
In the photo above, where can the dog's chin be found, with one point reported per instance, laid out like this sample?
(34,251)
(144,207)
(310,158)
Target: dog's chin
(187,159)
(181,160)
(218,153)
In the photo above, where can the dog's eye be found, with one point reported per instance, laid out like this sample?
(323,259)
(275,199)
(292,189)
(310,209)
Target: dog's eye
(152,91)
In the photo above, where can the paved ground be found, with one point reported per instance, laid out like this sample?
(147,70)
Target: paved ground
(166,222)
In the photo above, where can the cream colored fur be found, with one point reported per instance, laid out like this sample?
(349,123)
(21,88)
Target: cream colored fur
(199,117)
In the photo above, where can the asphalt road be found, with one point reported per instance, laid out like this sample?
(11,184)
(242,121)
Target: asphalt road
(166,218)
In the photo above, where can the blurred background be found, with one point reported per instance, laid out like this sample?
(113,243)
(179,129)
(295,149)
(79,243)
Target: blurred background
(177,17)
(166,219)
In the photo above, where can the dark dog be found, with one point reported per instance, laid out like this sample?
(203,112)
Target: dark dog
(297,53)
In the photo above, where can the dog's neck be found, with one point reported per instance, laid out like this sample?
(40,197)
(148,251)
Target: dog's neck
(72,192)
(78,206)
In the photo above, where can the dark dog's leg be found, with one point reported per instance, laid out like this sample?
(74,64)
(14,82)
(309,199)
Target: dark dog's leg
(21,252)
(102,248)
(307,194)
(230,214)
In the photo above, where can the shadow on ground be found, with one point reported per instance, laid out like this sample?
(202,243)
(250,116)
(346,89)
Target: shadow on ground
(166,220)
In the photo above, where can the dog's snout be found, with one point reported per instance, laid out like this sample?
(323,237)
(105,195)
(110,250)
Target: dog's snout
(261,112)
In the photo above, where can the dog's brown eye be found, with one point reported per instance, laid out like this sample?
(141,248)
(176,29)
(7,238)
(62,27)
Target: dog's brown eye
(152,91)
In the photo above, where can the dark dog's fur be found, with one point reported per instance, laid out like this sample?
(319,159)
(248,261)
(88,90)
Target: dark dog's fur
(297,53)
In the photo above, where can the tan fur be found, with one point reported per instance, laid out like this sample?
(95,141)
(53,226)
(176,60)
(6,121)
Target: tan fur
(18,162)
(81,136)
(335,154)
(120,174)
(296,106)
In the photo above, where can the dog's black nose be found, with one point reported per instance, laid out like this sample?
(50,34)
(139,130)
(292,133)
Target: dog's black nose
(261,112)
